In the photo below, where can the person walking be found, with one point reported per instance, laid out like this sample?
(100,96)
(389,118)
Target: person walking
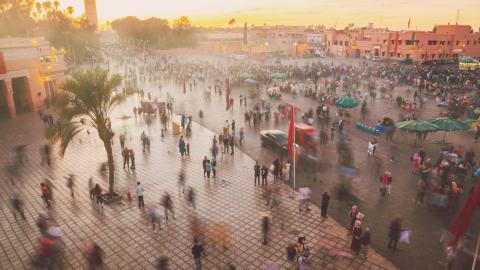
(126,158)
(231,141)
(46,194)
(132,158)
(394,233)
(197,252)
(242,135)
(181,183)
(324,206)
(191,198)
(226,141)
(98,195)
(139,192)
(168,205)
(17,205)
(156,212)
(365,243)
(352,215)
(256,170)
(356,243)
(208,168)
(181,146)
(415,162)
(93,254)
(71,184)
(233,127)
(204,165)
(214,167)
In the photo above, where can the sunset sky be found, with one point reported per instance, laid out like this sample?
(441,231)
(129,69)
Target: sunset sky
(383,13)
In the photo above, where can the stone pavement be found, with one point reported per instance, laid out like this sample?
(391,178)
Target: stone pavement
(124,232)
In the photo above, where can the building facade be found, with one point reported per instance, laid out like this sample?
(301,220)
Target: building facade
(444,42)
(31,73)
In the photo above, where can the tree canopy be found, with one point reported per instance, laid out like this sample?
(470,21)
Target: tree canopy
(156,32)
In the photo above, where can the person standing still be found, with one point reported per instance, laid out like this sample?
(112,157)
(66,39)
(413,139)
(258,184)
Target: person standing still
(139,192)
(325,202)
(394,233)
(257,169)
(197,252)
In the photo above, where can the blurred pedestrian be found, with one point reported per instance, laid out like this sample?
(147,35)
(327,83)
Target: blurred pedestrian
(98,195)
(46,194)
(324,206)
(93,254)
(131,154)
(168,205)
(214,167)
(181,146)
(264,174)
(394,231)
(181,183)
(17,205)
(156,212)
(139,192)
(71,184)
(162,263)
(352,215)
(191,198)
(197,252)
(365,243)
(126,158)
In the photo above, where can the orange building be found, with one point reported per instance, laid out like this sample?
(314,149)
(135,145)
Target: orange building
(445,42)
(31,73)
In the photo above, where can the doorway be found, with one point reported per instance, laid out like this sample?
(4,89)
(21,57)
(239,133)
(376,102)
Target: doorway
(21,95)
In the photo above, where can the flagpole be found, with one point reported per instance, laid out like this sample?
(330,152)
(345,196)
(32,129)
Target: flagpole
(475,255)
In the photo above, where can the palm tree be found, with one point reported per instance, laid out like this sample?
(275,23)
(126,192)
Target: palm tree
(87,101)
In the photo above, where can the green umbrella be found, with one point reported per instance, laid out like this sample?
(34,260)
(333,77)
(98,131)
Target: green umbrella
(278,75)
(416,126)
(448,124)
(347,102)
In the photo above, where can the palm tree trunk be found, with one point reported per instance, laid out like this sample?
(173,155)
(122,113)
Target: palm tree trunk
(111,166)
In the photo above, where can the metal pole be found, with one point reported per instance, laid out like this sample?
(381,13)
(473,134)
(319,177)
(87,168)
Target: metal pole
(476,253)
(294,150)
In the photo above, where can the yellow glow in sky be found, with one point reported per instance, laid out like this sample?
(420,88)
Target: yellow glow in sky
(383,13)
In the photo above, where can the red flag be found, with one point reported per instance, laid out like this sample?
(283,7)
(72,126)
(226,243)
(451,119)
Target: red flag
(291,132)
(462,221)
(184,87)
(228,94)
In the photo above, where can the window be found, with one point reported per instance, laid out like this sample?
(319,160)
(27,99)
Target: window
(458,43)
(423,56)
(346,43)
(383,53)
(400,42)
(408,42)
(447,55)
(384,41)
(393,42)
(391,54)
(329,43)
(474,42)
(407,55)
(336,42)
(432,42)
(433,55)
(449,43)
(398,54)
(341,42)
(442,42)
(468,42)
